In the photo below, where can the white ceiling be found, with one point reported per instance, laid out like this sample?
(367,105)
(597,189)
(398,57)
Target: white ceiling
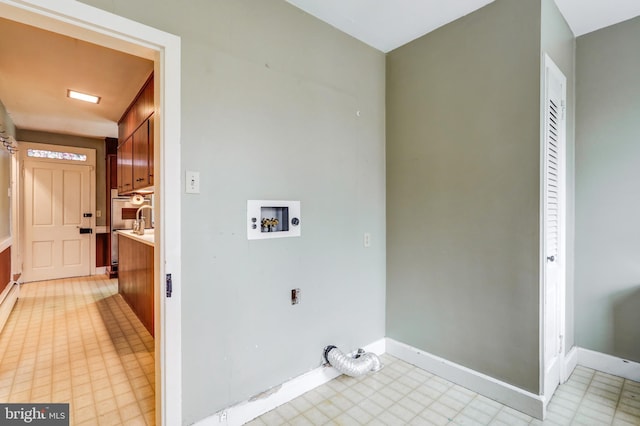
(585,16)
(39,66)
(388,24)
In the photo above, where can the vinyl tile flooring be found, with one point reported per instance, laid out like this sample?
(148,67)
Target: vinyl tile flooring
(76,341)
(402,394)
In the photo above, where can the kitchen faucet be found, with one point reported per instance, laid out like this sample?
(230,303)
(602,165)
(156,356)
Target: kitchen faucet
(138,224)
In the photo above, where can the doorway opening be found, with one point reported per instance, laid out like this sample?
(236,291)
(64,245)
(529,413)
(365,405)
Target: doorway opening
(89,24)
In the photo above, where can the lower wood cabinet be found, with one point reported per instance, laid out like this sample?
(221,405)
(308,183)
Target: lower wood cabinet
(135,278)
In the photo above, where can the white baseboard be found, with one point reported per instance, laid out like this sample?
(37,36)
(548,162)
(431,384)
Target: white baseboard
(487,386)
(497,390)
(246,411)
(101,270)
(570,364)
(609,364)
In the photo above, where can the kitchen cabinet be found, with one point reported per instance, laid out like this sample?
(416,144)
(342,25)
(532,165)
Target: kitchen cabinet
(135,135)
(141,156)
(151,147)
(124,160)
(136,277)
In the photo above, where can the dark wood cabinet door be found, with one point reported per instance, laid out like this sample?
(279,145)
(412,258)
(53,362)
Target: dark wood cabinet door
(141,156)
(125,164)
(119,153)
(135,135)
(151,148)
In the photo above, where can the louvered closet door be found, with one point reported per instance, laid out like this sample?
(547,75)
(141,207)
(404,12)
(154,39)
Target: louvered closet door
(553,232)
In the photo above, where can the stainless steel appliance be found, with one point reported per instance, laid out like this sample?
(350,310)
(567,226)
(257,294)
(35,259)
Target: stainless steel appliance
(123,214)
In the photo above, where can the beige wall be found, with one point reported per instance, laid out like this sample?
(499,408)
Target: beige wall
(608,190)
(463,185)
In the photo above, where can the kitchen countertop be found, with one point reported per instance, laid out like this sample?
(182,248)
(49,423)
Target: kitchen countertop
(148,237)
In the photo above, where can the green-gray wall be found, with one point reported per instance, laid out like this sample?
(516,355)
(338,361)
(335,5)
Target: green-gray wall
(558,41)
(463,186)
(608,190)
(81,142)
(6,125)
(270,101)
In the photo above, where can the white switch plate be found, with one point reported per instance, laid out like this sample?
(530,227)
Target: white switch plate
(192,182)
(98,213)
(367,239)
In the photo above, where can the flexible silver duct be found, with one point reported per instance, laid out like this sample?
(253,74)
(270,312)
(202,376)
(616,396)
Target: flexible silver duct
(361,364)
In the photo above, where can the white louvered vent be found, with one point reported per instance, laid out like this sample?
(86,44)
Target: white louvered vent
(552,178)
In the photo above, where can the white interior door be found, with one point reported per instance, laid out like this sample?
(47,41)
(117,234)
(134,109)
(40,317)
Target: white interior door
(58,218)
(554,225)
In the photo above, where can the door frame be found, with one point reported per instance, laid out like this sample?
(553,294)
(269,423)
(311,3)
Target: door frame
(91,162)
(547,65)
(84,22)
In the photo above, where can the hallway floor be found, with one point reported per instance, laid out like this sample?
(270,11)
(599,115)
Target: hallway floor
(77,341)
(401,394)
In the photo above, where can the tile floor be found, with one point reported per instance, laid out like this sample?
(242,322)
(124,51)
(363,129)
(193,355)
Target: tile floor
(401,394)
(77,341)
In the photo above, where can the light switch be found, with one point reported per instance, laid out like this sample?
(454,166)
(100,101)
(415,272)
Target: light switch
(98,213)
(192,182)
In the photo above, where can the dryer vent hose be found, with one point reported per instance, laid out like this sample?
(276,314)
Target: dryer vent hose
(356,366)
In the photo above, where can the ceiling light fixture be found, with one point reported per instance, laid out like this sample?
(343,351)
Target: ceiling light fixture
(82,96)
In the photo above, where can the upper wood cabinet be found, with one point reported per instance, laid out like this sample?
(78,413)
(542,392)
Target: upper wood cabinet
(124,160)
(141,155)
(151,147)
(135,138)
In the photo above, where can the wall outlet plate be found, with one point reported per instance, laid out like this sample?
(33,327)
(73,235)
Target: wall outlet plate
(295,296)
(192,182)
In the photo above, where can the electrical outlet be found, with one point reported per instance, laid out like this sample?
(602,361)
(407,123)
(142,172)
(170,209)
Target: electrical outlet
(222,416)
(367,239)
(295,296)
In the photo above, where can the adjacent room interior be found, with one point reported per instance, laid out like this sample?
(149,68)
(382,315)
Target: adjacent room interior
(82,225)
